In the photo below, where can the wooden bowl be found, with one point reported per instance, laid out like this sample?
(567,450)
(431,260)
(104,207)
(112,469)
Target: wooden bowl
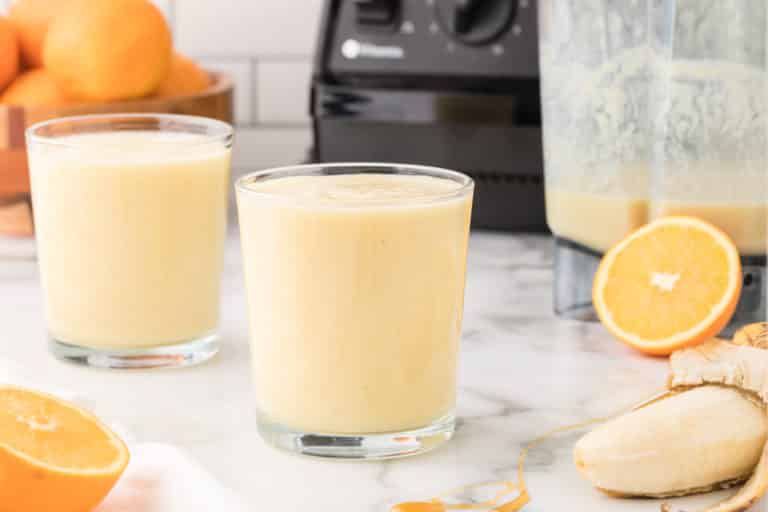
(15,204)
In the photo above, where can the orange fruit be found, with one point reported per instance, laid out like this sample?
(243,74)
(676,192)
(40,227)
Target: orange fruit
(34,88)
(54,456)
(670,284)
(109,50)
(9,53)
(184,77)
(31,19)
(16,219)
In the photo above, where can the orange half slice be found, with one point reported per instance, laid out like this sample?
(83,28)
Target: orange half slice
(672,283)
(53,455)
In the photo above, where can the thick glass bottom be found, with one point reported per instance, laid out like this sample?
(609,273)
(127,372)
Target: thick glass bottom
(575,267)
(359,446)
(177,355)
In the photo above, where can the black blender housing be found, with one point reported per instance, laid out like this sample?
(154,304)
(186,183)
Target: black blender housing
(449,83)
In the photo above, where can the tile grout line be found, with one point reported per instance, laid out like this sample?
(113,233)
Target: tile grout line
(276,126)
(254,91)
(267,57)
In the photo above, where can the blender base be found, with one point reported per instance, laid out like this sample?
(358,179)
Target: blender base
(575,267)
(752,305)
(574,270)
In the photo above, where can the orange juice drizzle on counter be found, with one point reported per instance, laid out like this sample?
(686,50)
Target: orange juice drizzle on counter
(507,486)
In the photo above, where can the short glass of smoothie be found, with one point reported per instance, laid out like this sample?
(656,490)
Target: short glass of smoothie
(130,220)
(355,281)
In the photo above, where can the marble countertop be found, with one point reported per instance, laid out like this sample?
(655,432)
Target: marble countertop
(523,372)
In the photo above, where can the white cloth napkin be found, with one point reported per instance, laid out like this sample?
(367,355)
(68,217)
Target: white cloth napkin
(159,477)
(17,249)
(162,478)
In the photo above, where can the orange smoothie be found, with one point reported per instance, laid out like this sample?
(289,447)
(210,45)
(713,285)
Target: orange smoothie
(130,231)
(735,202)
(355,298)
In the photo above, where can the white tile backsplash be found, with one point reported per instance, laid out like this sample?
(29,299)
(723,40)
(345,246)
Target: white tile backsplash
(266,46)
(260,148)
(240,69)
(283,91)
(247,27)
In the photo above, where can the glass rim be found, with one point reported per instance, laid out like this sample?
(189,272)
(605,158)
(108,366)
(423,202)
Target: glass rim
(466,183)
(221,131)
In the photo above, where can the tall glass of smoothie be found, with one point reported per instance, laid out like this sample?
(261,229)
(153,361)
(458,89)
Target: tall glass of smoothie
(130,218)
(355,282)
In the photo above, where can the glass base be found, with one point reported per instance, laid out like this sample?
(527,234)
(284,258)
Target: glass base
(575,267)
(387,445)
(166,356)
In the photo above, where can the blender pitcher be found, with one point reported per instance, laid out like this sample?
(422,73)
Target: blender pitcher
(651,108)
(708,115)
(595,83)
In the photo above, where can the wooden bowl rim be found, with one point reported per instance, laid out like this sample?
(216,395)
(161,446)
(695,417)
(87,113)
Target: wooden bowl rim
(221,83)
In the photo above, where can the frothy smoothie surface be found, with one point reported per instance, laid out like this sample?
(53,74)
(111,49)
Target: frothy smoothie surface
(357,189)
(134,146)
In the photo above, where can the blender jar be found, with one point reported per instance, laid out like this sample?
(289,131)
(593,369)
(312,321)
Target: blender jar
(595,83)
(708,114)
(652,108)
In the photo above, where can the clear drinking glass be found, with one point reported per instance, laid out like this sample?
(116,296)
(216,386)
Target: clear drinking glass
(355,281)
(651,108)
(130,218)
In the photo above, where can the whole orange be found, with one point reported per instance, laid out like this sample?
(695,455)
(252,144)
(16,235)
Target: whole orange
(184,77)
(34,88)
(9,53)
(31,19)
(109,50)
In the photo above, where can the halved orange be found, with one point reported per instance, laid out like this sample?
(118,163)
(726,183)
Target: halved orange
(672,283)
(53,455)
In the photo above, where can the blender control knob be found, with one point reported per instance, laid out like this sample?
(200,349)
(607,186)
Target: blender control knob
(475,21)
(376,12)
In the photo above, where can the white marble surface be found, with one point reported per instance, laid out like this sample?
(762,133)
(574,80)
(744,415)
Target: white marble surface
(523,372)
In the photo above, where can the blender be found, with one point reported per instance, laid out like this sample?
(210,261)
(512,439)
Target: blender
(652,108)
